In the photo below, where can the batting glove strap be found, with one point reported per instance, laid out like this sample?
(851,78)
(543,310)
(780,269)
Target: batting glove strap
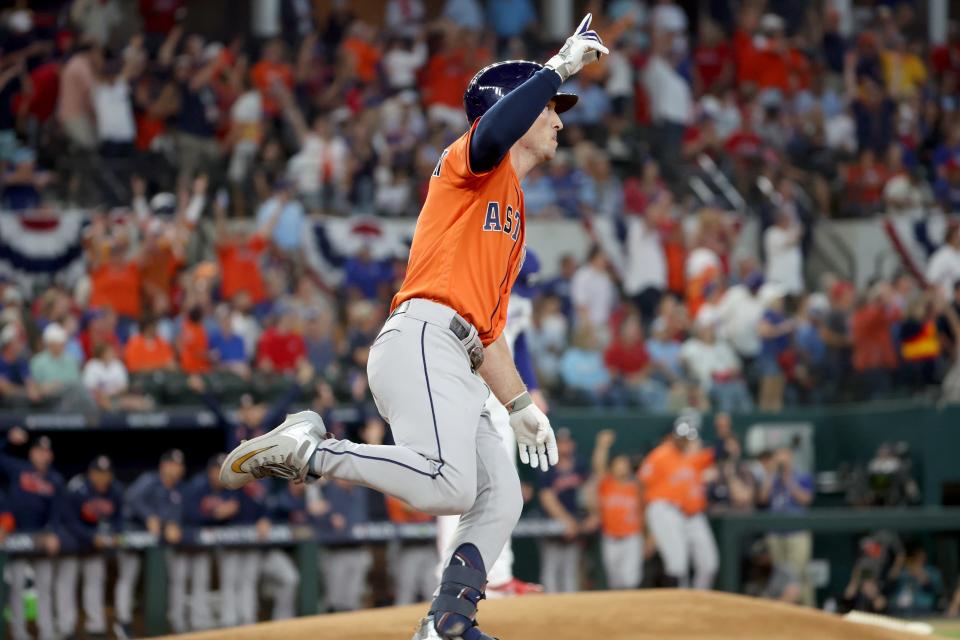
(519,403)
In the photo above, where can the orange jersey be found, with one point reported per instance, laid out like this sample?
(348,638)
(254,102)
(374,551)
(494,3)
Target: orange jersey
(619,507)
(469,241)
(695,500)
(402,513)
(671,475)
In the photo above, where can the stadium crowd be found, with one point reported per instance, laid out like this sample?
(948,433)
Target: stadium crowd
(200,162)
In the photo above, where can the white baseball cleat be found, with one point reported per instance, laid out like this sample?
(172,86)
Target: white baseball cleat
(426,631)
(284,452)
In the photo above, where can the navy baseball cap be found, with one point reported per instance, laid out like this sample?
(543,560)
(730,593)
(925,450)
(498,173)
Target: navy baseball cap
(173,455)
(216,461)
(43,442)
(101,463)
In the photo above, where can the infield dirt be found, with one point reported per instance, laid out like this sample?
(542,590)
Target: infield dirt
(598,615)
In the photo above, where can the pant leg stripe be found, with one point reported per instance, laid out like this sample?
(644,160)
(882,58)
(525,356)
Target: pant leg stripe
(360,455)
(433,411)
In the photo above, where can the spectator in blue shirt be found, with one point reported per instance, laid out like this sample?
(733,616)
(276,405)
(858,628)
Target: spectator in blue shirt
(559,496)
(568,185)
(582,367)
(320,341)
(510,18)
(17,387)
(593,106)
(559,285)
(288,228)
(366,275)
(227,348)
(787,490)
(776,331)
(539,197)
(467,14)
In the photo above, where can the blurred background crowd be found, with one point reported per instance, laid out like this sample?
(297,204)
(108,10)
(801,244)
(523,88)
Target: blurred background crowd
(202,155)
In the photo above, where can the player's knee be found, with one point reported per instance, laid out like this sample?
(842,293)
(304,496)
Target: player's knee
(452,500)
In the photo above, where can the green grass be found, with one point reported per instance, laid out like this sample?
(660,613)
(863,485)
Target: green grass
(946,628)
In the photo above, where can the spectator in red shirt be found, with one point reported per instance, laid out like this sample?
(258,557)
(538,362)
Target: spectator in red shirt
(712,61)
(864,184)
(282,348)
(632,368)
(874,355)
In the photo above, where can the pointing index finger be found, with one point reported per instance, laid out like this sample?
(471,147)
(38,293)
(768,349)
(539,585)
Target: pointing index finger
(585,23)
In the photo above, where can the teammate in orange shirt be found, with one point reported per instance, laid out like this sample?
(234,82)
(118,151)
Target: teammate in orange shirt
(674,495)
(441,351)
(621,519)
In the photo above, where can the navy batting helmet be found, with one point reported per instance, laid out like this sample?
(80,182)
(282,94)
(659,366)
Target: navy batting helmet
(497,80)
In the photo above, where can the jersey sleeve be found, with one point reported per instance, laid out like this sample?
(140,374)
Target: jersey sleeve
(454,163)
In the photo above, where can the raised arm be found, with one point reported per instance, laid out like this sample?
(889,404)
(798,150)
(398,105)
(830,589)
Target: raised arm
(506,122)
(601,452)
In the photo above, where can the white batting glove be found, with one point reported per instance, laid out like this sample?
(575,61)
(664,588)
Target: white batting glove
(535,438)
(581,48)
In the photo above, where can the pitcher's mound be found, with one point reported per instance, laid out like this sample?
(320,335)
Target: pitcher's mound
(654,614)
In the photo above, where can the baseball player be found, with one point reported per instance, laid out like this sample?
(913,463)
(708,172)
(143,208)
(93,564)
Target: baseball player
(297,505)
(500,579)
(206,503)
(621,521)
(441,351)
(36,495)
(92,516)
(346,563)
(559,496)
(154,502)
(242,606)
(670,475)
(413,562)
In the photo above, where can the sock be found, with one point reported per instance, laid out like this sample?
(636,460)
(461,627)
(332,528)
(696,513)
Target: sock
(455,624)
